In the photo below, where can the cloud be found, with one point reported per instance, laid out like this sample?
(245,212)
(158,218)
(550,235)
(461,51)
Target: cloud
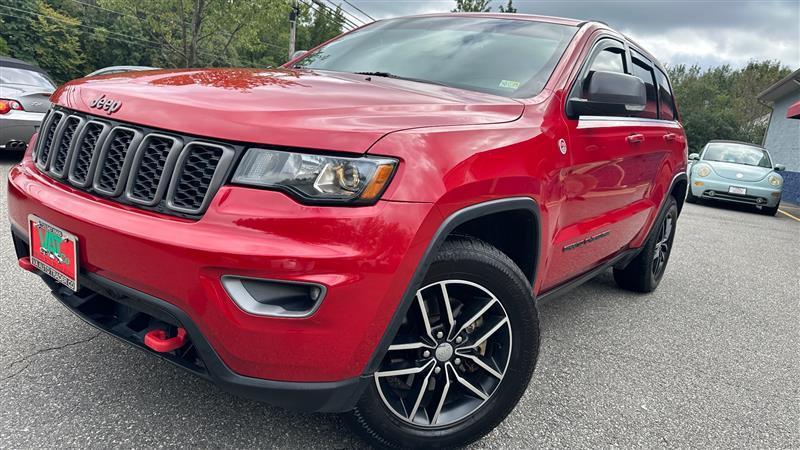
(706,32)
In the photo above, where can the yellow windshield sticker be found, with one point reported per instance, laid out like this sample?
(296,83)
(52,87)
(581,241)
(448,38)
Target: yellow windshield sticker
(508,84)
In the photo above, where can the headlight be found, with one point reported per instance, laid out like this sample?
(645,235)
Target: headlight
(703,171)
(317,178)
(775,180)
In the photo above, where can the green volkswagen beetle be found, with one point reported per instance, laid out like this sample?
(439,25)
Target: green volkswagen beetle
(736,172)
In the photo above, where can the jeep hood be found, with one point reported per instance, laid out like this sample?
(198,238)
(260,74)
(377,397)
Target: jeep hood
(292,108)
(739,172)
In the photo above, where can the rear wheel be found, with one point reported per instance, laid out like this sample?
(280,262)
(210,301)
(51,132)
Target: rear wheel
(462,358)
(644,273)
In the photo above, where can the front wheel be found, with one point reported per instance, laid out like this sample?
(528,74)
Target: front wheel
(769,211)
(462,357)
(645,271)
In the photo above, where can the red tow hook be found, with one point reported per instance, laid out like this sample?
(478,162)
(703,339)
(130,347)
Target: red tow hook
(158,341)
(25,263)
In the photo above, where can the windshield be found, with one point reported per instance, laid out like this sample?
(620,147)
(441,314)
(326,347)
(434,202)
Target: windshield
(509,57)
(737,154)
(14,75)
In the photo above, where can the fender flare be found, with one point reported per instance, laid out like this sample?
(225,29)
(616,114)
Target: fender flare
(448,225)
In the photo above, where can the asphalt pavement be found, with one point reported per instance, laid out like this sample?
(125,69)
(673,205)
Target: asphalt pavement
(711,359)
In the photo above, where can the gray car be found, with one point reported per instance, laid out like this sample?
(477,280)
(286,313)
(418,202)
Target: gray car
(24,99)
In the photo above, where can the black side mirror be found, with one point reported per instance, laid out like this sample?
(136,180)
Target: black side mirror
(609,94)
(694,157)
(779,167)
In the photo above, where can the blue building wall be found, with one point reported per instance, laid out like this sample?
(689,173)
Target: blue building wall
(783,142)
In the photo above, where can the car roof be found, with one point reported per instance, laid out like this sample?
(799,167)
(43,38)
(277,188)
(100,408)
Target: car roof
(731,141)
(20,64)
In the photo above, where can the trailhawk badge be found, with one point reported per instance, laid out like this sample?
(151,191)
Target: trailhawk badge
(108,105)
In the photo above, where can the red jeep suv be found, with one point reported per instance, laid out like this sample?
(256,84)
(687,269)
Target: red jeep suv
(368,228)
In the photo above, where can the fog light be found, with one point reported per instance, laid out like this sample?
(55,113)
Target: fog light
(699,183)
(776,194)
(274,298)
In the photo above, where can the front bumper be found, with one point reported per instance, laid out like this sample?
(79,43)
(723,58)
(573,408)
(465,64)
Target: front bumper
(364,257)
(757,194)
(18,126)
(126,313)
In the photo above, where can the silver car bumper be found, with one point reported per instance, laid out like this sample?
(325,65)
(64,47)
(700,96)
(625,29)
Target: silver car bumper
(756,194)
(18,126)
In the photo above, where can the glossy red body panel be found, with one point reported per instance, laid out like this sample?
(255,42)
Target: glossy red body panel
(288,108)
(456,149)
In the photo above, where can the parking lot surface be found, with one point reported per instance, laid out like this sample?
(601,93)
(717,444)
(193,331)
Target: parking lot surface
(711,359)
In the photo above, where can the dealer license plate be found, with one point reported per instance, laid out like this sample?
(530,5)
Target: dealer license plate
(737,190)
(54,252)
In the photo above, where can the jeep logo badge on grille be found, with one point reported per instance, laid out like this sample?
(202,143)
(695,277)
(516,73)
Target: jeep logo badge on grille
(106,104)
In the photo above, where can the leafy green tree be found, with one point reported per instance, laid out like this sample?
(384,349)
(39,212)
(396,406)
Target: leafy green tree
(472,6)
(508,8)
(721,103)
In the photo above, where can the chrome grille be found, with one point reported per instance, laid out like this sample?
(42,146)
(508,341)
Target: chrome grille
(173,174)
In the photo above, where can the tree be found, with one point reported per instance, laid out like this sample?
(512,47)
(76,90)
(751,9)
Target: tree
(509,8)
(722,103)
(472,6)
(194,33)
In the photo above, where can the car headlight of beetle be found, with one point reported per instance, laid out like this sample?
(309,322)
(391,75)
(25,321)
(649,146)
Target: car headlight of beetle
(703,170)
(774,180)
(317,178)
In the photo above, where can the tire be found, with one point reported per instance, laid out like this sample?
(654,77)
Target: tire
(461,268)
(769,211)
(644,272)
(691,198)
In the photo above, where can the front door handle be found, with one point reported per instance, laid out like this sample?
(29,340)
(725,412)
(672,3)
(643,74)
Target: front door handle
(635,138)
(669,137)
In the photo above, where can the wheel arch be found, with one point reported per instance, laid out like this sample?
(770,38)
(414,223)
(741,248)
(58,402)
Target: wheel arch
(471,219)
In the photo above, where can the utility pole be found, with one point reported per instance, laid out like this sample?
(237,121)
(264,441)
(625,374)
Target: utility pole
(293,27)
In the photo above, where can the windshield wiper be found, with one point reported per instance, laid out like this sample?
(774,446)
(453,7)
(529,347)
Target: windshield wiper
(398,77)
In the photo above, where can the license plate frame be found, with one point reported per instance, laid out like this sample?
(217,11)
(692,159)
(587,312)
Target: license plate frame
(54,251)
(736,190)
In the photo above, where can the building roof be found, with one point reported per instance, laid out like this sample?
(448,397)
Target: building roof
(794,111)
(785,86)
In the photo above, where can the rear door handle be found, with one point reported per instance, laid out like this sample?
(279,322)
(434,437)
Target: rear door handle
(635,138)
(669,137)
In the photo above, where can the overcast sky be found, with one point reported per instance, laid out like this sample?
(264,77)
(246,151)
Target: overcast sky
(676,32)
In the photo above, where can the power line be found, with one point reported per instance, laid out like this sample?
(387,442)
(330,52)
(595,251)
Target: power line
(346,13)
(316,8)
(360,10)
